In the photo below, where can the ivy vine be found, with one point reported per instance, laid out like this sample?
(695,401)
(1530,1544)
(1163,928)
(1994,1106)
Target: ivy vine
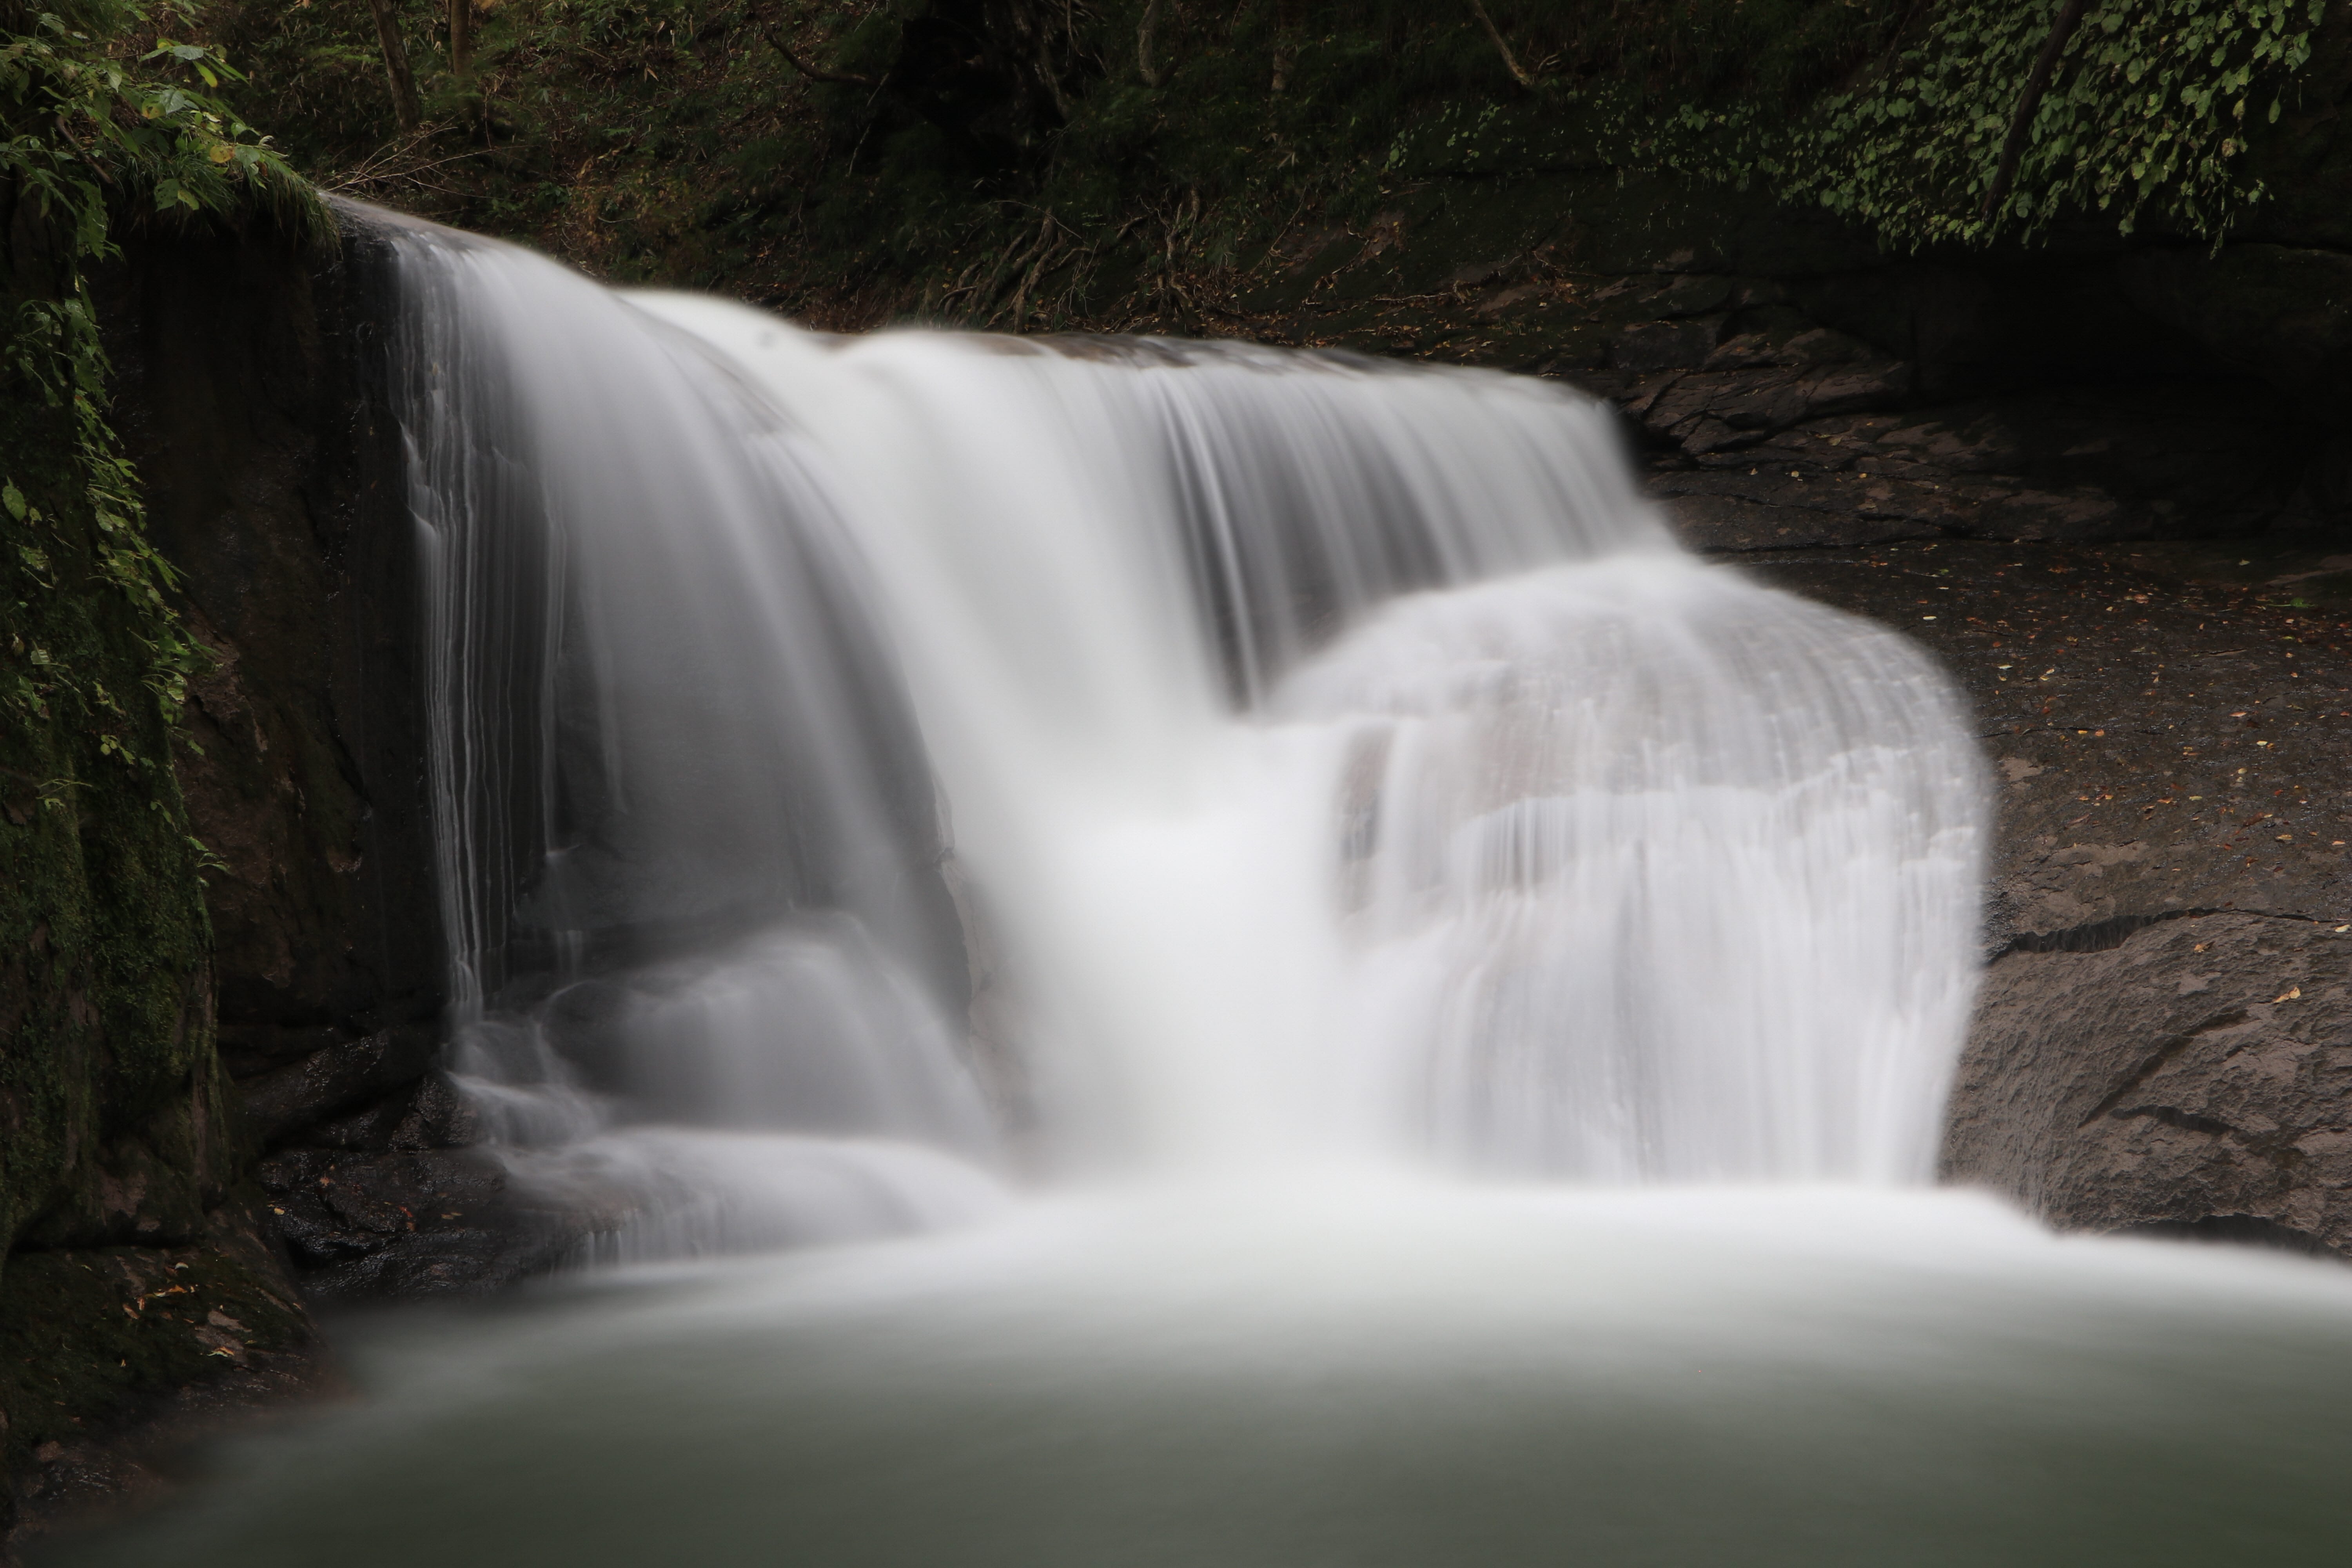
(95,126)
(1989,121)
(2147,107)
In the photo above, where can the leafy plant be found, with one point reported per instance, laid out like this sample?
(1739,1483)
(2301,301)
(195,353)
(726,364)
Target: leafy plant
(90,134)
(2148,110)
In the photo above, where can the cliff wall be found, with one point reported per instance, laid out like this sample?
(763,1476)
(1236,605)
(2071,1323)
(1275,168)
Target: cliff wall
(213,961)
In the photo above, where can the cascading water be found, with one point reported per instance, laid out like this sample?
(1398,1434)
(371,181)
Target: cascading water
(1341,759)
(877,774)
(688,841)
(1532,838)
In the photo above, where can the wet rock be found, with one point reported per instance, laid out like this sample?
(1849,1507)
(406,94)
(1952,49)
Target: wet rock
(453,1260)
(400,1224)
(330,1204)
(1665,345)
(436,1117)
(338,1078)
(2196,1070)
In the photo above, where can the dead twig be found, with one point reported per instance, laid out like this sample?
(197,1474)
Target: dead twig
(396,164)
(1502,45)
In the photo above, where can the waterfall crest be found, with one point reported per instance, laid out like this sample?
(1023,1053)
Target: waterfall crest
(1309,759)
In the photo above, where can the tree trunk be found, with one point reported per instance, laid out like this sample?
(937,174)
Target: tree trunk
(1144,63)
(395,66)
(461,37)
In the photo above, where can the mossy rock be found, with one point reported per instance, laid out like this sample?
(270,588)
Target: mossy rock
(105,983)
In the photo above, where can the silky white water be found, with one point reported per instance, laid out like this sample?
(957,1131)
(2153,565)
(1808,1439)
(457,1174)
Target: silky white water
(1324,762)
(1532,843)
(1272,973)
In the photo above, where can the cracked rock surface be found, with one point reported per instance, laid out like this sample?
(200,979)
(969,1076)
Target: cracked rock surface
(2198,1072)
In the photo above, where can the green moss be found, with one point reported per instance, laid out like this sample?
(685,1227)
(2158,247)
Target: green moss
(103,939)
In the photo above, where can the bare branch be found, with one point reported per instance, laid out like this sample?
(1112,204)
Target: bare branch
(776,41)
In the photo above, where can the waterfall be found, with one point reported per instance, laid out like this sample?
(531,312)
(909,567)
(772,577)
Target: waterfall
(689,845)
(870,771)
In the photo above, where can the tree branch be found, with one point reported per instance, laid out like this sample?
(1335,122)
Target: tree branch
(1502,45)
(775,41)
(2012,147)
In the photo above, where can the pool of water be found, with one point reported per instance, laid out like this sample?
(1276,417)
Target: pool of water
(1359,1373)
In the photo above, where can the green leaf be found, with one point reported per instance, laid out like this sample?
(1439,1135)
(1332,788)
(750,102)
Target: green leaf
(14,500)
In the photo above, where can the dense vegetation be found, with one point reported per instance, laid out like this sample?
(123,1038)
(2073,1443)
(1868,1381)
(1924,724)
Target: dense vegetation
(1028,160)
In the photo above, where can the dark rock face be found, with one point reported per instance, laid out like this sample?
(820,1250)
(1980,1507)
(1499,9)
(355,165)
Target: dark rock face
(2197,1070)
(409,1222)
(251,397)
(1798,387)
(2283,313)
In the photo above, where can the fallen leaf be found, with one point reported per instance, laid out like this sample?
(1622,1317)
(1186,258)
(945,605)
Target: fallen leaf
(2290,996)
